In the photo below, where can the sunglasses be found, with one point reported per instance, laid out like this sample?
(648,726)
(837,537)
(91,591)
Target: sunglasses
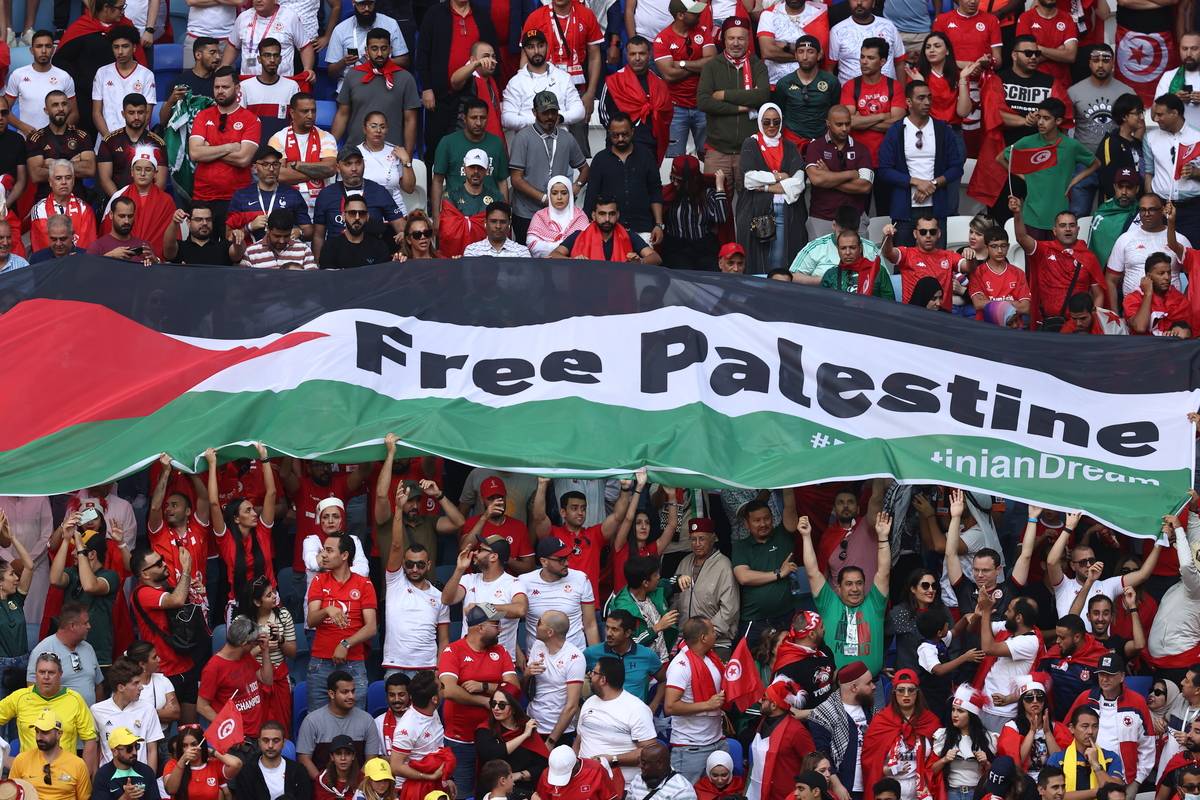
(1029,53)
(1159,692)
(221,124)
(920,139)
(46,775)
(1087,562)
(905,690)
(927,585)
(772,123)
(414,564)
(498,704)
(420,234)
(1032,696)
(158,563)
(927,231)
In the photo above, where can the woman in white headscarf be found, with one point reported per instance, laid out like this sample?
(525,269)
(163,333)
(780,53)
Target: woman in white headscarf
(558,220)
(771,213)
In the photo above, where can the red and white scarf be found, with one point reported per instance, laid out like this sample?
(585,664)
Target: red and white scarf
(312,153)
(743,64)
(389,69)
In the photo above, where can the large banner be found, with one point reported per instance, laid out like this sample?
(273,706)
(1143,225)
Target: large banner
(582,369)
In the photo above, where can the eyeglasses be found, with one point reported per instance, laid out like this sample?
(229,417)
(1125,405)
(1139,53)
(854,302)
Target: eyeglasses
(422,234)
(927,231)
(158,563)
(920,139)
(498,704)
(927,585)
(414,564)
(270,164)
(905,690)
(76,662)
(50,657)
(1087,562)
(842,548)
(1029,53)
(221,124)
(46,775)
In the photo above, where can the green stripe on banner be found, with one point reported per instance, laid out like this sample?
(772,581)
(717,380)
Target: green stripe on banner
(763,449)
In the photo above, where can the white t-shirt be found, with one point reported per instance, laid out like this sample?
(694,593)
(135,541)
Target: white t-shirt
(845,44)
(29,87)
(139,716)
(110,87)
(650,17)
(1131,250)
(307,11)
(413,615)
(1006,674)
(692,729)
(613,727)
(138,11)
(155,692)
(214,21)
(563,668)
(500,591)
(860,721)
(919,159)
(964,770)
(273,778)
(786,29)
(385,169)
(566,595)
(328,149)
(249,29)
(418,735)
(1069,588)
(269,101)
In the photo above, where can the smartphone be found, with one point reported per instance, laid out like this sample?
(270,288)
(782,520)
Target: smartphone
(1187,87)
(352,51)
(181,87)
(137,251)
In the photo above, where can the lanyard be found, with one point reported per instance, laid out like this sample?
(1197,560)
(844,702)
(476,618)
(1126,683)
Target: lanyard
(266,209)
(550,151)
(266,32)
(561,35)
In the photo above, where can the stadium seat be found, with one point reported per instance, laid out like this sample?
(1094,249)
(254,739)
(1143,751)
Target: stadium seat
(419,197)
(289,749)
(326,109)
(1085,229)
(299,706)
(1140,684)
(21,57)
(735,752)
(957,230)
(376,698)
(14,746)
(897,289)
(875,228)
(218,638)
(167,58)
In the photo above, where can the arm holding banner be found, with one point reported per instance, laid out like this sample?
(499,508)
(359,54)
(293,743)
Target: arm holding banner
(539,523)
(1172,240)
(954,545)
(1020,570)
(1054,572)
(1188,572)
(816,579)
(883,531)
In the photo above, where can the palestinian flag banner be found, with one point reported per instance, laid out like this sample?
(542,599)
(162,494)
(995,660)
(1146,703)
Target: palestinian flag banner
(580,369)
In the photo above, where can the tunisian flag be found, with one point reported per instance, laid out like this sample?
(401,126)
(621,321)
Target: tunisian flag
(225,730)
(1186,155)
(1142,58)
(1023,162)
(743,686)
(886,728)
(653,108)
(456,230)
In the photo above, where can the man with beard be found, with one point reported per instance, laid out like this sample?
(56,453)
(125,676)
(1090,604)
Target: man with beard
(471,669)
(1011,648)
(489,582)
(806,93)
(120,243)
(309,153)
(1125,722)
(286,776)
(184,528)
(449,162)
(1057,37)
(1181,773)
(656,778)
(337,723)
(348,43)
(606,239)
(1085,318)
(250,205)
(536,77)
(631,176)
(29,85)
(59,773)
(416,621)
(114,157)
(269,94)
(423,514)
(353,248)
(398,702)
(328,219)
(58,139)
(61,200)
(558,587)
(201,247)
(1085,764)
(206,53)
(1100,617)
(61,236)
(476,79)
(495,521)
(839,723)
(125,776)
(846,39)
(1057,266)
(730,89)
(1126,265)
(1187,75)
(153,600)
(779,32)
(854,274)
(223,141)
(280,246)
(378,84)
(1071,663)
(342,608)
(1121,186)
(153,207)
(635,90)
(1093,99)
(805,662)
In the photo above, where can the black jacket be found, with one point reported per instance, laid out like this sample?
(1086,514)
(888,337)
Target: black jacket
(433,45)
(249,783)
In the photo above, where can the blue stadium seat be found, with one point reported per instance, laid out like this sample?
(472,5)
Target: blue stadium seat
(14,747)
(21,57)
(326,109)
(168,57)
(376,698)
(289,749)
(299,707)
(735,752)
(218,637)
(1140,684)
(164,82)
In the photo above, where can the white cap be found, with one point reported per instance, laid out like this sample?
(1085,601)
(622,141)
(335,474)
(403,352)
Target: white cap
(476,158)
(1028,684)
(142,153)
(966,698)
(562,765)
(330,502)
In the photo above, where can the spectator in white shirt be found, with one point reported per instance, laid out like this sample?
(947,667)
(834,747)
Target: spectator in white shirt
(696,729)
(114,81)
(556,587)
(398,702)
(489,583)
(657,779)
(614,725)
(553,679)
(1014,656)
(266,19)
(419,731)
(417,623)
(538,75)
(498,223)
(29,85)
(126,709)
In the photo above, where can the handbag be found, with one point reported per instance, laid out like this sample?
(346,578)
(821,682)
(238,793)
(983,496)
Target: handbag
(188,630)
(763,227)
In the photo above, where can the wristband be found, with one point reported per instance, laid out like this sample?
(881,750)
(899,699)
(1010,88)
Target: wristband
(1032,519)
(777,575)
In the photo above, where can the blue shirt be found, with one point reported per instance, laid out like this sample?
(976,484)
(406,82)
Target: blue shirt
(250,199)
(380,205)
(641,664)
(45,254)
(14,262)
(1114,762)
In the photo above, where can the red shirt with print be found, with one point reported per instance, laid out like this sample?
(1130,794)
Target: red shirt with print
(586,555)
(167,543)
(915,264)
(1054,266)
(353,596)
(464,33)
(972,37)
(1164,309)
(221,679)
(669,44)
(468,664)
(873,98)
(306,499)
(1007,285)
(591,782)
(1053,32)
(217,180)
(205,782)
(567,37)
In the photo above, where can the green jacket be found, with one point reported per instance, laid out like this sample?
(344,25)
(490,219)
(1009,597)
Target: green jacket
(846,281)
(1109,222)
(729,127)
(643,635)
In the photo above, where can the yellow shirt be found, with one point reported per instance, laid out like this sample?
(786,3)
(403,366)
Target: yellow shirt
(68,705)
(68,775)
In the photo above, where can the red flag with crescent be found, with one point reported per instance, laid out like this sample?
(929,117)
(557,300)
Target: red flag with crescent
(226,729)
(1142,58)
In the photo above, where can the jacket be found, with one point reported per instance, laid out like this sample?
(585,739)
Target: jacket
(249,783)
(644,635)
(834,732)
(1130,727)
(1109,221)
(432,60)
(516,109)
(727,126)
(714,594)
(949,157)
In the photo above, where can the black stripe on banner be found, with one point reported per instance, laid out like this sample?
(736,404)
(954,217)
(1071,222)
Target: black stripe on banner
(236,303)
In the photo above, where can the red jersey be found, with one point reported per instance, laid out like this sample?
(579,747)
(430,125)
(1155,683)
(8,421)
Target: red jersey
(567,37)
(590,782)
(1054,265)
(1164,309)
(216,180)
(232,482)
(972,37)
(513,530)
(874,98)
(167,543)
(1007,285)
(943,99)
(669,44)
(307,496)
(467,664)
(915,264)
(586,556)
(206,782)
(1054,32)
(353,596)
(221,679)
(227,547)
(464,33)
(148,598)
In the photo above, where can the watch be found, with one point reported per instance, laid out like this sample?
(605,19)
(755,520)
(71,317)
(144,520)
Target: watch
(345,643)
(149,29)
(683,65)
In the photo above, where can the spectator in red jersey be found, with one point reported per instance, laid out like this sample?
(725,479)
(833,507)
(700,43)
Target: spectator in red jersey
(925,260)
(223,142)
(234,670)
(1057,37)
(193,764)
(495,522)
(1084,317)
(949,85)
(185,529)
(996,279)
(342,607)
(1156,304)
(680,51)
(471,669)
(243,535)
(1060,267)
(973,34)
(153,600)
(569,777)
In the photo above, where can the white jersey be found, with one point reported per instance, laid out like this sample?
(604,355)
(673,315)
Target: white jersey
(845,43)
(1006,674)
(563,668)
(138,12)
(786,28)
(693,729)
(413,616)
(416,734)
(650,17)
(214,21)
(268,101)
(1068,588)
(566,595)
(498,592)
(139,716)
(328,148)
(29,87)
(613,726)
(1131,250)
(110,87)
(307,11)
(249,29)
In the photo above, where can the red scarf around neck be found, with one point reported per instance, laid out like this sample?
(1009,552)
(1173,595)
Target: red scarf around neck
(534,744)
(703,686)
(772,155)
(654,108)
(369,72)
(743,64)
(590,244)
(312,152)
(885,729)
(866,271)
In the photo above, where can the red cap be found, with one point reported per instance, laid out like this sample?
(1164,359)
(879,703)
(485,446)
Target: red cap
(778,692)
(492,487)
(851,672)
(733,22)
(702,524)
(906,676)
(731,248)
(1126,176)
